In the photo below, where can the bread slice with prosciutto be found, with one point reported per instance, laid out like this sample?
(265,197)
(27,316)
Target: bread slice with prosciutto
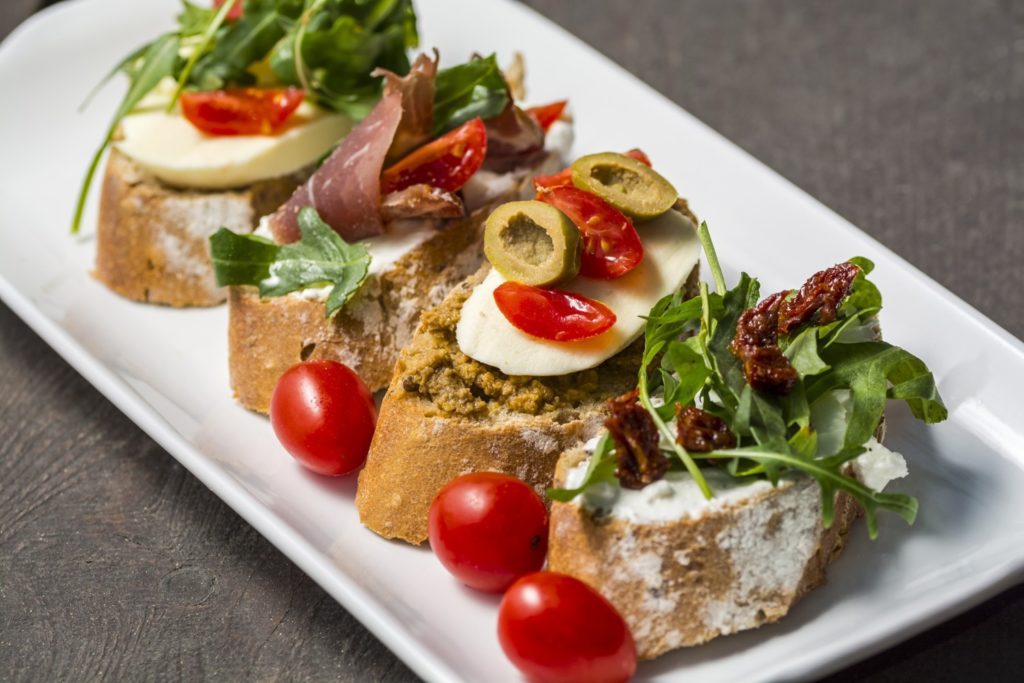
(408,200)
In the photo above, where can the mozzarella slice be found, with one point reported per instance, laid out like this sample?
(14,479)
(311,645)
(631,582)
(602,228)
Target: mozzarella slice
(671,250)
(176,152)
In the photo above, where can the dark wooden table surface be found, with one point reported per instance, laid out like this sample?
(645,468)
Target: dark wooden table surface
(905,117)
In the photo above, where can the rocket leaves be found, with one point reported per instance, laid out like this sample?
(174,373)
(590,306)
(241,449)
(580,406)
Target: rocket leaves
(846,375)
(320,258)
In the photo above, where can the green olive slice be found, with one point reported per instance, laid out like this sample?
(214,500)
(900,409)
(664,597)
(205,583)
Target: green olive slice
(631,186)
(532,242)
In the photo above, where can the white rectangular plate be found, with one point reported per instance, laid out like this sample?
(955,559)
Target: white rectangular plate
(166,369)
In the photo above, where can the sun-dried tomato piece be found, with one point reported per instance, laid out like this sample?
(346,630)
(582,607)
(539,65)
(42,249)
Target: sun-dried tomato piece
(631,427)
(821,294)
(757,345)
(702,432)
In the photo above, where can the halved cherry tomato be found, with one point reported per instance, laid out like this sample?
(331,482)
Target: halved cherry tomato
(446,163)
(611,245)
(557,629)
(552,313)
(639,155)
(547,182)
(488,529)
(324,416)
(233,13)
(564,178)
(546,114)
(240,111)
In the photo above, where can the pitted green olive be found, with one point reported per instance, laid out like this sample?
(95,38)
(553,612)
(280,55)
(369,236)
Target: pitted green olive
(631,186)
(532,242)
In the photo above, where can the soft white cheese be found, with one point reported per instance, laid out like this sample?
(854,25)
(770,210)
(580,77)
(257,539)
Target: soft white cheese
(176,152)
(677,496)
(877,465)
(671,250)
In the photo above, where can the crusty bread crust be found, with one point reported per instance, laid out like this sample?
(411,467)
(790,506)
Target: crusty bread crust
(684,582)
(417,448)
(268,336)
(152,240)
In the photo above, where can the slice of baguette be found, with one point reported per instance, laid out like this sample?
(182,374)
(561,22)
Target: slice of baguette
(152,240)
(268,336)
(737,566)
(445,414)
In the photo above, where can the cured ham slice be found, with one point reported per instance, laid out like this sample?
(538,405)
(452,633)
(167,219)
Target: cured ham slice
(345,190)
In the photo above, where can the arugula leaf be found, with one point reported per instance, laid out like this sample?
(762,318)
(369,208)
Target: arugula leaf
(320,257)
(467,91)
(866,369)
(241,259)
(830,480)
(802,352)
(331,48)
(157,62)
(205,38)
(194,19)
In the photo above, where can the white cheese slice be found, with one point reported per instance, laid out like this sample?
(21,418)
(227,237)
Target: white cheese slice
(671,250)
(176,152)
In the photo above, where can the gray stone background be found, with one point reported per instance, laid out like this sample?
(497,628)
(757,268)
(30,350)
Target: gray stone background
(906,117)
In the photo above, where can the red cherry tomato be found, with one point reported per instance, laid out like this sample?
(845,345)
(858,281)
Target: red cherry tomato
(563,178)
(546,114)
(233,13)
(241,111)
(557,629)
(552,313)
(323,415)
(488,529)
(611,245)
(446,163)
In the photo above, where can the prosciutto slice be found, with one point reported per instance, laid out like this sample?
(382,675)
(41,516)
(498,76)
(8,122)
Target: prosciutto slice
(417,88)
(345,190)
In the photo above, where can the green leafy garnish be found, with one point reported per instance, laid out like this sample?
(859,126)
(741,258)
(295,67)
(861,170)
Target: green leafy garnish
(467,91)
(155,63)
(845,377)
(341,42)
(320,258)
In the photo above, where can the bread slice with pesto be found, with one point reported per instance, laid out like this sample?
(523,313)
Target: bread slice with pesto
(446,413)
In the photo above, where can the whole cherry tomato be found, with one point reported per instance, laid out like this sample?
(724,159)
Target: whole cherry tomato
(235,12)
(240,111)
(488,529)
(324,416)
(552,313)
(546,114)
(446,163)
(557,629)
(611,245)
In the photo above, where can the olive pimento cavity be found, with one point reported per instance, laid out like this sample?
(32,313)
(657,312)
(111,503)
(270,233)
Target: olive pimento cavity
(637,450)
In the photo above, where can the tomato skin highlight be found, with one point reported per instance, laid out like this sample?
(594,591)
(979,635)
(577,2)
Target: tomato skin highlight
(324,416)
(639,155)
(552,314)
(240,111)
(546,114)
(488,529)
(233,13)
(556,629)
(445,163)
(611,245)
(542,183)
